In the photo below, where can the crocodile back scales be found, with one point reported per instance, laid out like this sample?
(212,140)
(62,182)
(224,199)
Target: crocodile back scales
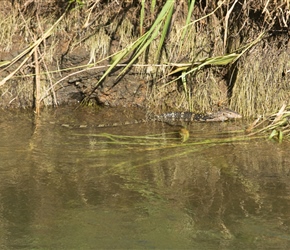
(173,117)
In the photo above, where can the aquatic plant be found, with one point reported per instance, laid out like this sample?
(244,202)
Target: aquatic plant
(275,126)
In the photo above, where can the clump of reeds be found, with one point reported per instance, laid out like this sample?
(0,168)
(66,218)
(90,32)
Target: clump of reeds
(275,126)
(188,51)
(261,86)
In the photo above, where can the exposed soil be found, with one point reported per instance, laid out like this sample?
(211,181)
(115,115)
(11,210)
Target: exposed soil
(130,90)
(74,57)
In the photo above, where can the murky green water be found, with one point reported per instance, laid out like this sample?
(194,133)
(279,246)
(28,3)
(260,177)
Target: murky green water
(72,188)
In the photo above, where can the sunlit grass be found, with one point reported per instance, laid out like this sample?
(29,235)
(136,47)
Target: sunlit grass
(182,49)
(275,126)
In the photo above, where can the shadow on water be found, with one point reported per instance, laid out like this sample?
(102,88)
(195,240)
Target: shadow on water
(83,188)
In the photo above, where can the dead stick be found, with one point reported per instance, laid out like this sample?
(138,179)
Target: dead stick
(37,98)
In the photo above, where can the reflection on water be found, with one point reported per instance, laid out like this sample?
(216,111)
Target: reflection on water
(72,188)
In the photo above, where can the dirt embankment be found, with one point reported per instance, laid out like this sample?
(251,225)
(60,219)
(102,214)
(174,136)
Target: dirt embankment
(53,52)
(66,56)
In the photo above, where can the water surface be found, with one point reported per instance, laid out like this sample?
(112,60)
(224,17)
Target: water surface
(138,186)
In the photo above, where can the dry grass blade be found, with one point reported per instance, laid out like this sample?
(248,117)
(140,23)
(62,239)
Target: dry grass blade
(142,16)
(279,114)
(227,21)
(278,127)
(29,51)
(253,125)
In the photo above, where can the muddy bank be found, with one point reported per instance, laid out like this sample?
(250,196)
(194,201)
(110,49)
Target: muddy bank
(56,52)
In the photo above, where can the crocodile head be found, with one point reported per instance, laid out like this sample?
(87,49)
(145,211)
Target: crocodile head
(224,115)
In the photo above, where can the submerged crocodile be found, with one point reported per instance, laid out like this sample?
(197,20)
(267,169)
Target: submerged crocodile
(218,116)
(183,117)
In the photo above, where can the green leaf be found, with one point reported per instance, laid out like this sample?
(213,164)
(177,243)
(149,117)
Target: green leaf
(273,134)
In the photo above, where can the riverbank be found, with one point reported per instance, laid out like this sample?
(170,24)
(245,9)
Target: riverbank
(222,55)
